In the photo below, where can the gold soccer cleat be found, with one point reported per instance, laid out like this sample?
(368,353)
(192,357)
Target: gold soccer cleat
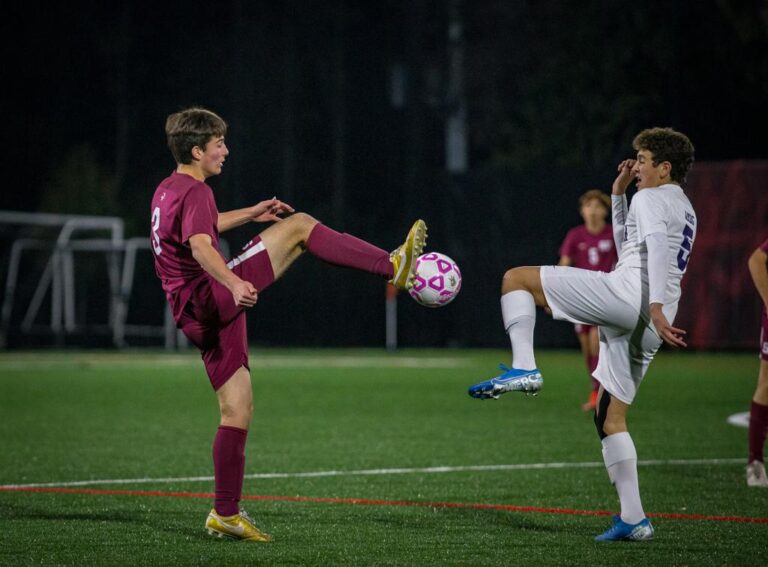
(239,526)
(404,256)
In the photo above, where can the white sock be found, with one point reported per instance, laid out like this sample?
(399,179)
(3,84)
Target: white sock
(620,459)
(518,310)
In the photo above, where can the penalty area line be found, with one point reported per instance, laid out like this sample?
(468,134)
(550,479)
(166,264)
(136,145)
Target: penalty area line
(377,502)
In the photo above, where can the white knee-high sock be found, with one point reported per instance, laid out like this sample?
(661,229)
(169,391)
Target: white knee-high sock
(620,459)
(518,310)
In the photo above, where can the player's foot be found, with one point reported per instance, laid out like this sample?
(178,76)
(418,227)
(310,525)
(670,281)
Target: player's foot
(239,526)
(404,256)
(756,475)
(511,380)
(591,403)
(622,531)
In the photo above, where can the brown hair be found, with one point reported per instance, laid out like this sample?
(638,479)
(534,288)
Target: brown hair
(604,199)
(192,127)
(666,144)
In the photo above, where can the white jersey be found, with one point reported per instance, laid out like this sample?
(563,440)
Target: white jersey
(665,209)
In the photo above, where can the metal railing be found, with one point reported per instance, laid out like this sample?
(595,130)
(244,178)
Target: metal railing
(59,276)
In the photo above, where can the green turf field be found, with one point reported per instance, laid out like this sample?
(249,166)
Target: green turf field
(372,459)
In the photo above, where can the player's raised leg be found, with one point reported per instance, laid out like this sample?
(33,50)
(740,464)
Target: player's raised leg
(521,291)
(286,240)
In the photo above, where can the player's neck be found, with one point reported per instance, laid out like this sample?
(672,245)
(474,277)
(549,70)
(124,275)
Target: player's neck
(595,228)
(192,170)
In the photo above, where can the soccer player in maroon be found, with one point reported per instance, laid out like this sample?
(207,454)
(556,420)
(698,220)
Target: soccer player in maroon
(758,413)
(209,296)
(590,246)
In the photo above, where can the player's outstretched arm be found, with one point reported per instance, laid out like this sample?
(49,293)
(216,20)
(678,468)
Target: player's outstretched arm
(243,292)
(264,211)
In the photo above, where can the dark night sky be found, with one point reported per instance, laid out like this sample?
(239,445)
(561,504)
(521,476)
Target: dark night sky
(554,93)
(537,75)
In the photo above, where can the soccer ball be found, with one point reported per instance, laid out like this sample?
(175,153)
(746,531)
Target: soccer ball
(437,281)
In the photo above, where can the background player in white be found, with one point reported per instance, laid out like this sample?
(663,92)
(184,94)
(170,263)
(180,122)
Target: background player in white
(633,306)
(590,246)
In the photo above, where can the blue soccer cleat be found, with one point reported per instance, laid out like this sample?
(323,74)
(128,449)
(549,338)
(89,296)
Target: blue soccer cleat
(622,531)
(512,380)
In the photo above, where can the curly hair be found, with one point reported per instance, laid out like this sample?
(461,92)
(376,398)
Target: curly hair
(192,127)
(666,144)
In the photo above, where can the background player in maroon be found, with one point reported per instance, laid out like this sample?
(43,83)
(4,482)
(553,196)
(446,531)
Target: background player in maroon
(590,246)
(758,413)
(208,296)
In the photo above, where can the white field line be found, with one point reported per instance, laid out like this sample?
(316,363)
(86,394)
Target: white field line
(377,472)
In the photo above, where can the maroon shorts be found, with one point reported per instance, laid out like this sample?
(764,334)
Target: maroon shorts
(764,338)
(215,325)
(582,329)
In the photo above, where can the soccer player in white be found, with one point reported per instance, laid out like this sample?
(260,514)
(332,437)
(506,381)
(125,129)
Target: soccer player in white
(634,306)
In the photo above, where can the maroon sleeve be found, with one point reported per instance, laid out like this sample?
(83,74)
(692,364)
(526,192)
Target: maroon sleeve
(566,248)
(764,246)
(199,214)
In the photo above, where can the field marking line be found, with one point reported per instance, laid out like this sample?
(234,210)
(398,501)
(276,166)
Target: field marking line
(377,502)
(374,472)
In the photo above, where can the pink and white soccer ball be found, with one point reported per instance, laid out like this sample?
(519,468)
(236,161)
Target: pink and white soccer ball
(437,281)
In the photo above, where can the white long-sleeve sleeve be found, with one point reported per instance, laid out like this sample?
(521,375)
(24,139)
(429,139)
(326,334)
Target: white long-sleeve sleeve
(619,218)
(658,256)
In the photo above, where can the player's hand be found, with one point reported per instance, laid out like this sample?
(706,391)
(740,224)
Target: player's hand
(244,294)
(268,211)
(669,334)
(624,178)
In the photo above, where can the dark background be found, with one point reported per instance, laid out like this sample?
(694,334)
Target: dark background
(340,109)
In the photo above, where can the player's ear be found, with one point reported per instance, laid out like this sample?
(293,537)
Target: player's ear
(666,169)
(197,153)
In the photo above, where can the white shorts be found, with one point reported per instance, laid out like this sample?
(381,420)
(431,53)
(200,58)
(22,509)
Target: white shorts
(618,303)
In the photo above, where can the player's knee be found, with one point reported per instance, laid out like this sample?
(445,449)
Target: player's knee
(599,422)
(611,427)
(239,412)
(512,280)
(302,223)
(601,414)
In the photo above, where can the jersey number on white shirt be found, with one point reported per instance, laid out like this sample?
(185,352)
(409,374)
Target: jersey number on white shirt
(685,248)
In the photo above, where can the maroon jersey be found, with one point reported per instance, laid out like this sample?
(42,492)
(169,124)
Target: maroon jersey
(590,251)
(181,207)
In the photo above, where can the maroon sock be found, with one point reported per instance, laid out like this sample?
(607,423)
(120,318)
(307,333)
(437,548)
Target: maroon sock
(229,468)
(592,364)
(348,251)
(758,427)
